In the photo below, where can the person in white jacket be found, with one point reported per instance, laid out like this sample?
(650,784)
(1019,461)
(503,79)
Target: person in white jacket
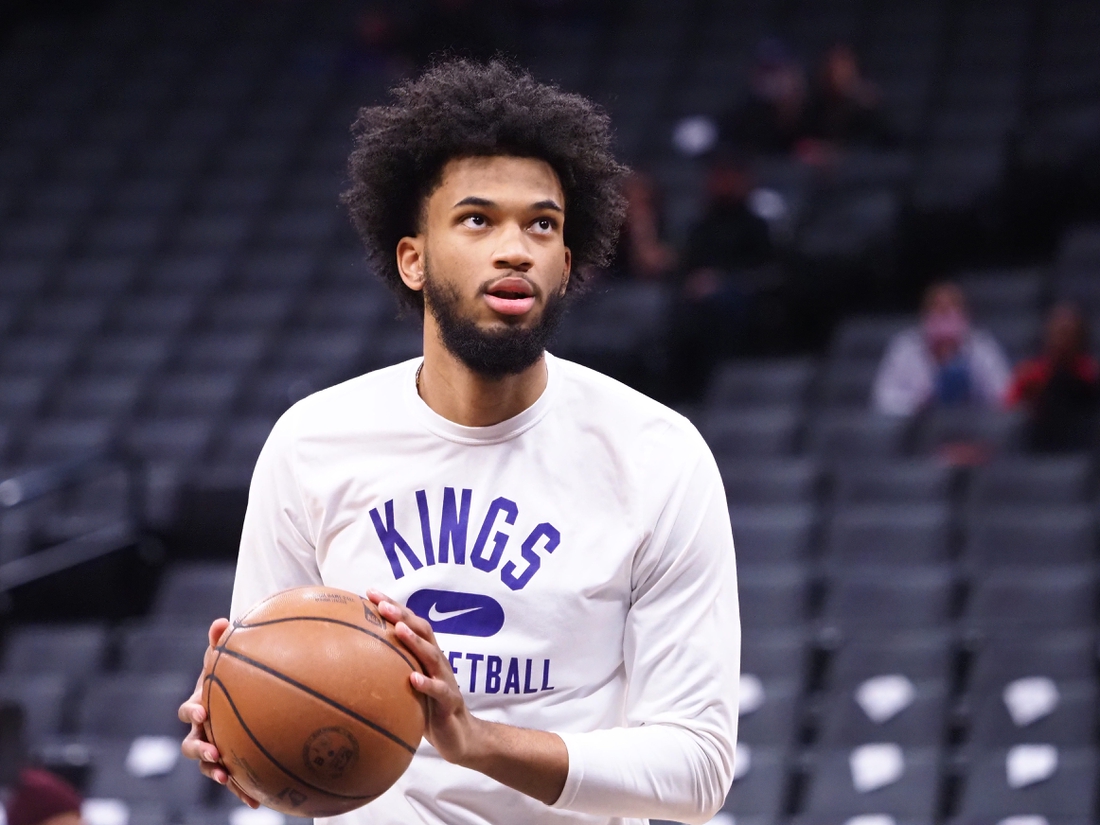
(553,546)
(943,361)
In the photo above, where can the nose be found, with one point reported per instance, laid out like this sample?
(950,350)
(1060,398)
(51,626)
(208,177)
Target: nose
(513,250)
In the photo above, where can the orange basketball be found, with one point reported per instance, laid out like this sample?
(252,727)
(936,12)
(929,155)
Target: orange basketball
(309,703)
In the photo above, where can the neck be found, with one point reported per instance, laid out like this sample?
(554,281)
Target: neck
(454,391)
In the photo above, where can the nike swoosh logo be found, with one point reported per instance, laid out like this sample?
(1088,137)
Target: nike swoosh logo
(435,615)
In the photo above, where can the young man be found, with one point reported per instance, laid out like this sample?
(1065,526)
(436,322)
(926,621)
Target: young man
(553,546)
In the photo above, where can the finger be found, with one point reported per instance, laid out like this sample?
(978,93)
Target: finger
(444,694)
(397,613)
(241,795)
(192,712)
(217,628)
(200,751)
(426,651)
(215,772)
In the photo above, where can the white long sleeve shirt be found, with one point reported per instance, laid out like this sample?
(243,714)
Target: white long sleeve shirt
(576,562)
(906,378)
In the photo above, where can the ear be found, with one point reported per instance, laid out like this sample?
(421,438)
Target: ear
(410,262)
(568,270)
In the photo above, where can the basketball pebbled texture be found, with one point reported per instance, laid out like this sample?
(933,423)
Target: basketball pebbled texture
(309,703)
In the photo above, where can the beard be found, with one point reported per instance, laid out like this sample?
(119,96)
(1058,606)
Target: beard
(491,353)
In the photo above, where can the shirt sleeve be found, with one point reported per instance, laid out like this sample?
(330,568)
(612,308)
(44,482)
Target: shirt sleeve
(903,382)
(991,370)
(277,544)
(673,758)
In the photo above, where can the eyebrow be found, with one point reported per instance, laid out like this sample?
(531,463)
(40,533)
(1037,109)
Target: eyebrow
(473,200)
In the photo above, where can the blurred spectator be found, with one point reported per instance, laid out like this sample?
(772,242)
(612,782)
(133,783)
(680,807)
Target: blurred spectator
(642,252)
(41,798)
(845,107)
(726,253)
(772,119)
(942,361)
(1061,387)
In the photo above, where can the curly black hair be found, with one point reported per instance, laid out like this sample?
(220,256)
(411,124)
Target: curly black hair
(460,108)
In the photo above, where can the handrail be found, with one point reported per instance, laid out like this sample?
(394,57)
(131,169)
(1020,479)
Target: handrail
(40,481)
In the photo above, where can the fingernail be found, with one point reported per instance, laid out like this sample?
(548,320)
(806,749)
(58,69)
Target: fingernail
(418,680)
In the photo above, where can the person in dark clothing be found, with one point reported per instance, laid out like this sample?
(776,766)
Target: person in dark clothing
(1061,387)
(724,256)
(642,253)
(772,118)
(845,108)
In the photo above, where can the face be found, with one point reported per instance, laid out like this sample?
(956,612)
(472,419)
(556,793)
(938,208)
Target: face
(1065,333)
(491,261)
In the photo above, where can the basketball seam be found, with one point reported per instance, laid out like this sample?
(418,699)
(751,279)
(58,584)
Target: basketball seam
(317,695)
(272,759)
(370,633)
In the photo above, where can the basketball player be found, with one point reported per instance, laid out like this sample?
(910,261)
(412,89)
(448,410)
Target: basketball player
(553,546)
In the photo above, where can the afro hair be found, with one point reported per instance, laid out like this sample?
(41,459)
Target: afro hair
(460,109)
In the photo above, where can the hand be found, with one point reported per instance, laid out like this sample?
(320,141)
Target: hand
(451,729)
(195,746)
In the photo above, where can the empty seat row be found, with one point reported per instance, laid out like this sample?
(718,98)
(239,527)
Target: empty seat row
(862,600)
(1009,480)
(994,536)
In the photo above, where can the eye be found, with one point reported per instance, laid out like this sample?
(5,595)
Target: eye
(475,221)
(544,225)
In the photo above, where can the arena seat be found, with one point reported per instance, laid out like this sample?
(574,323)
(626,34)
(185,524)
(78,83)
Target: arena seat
(884,599)
(194,593)
(773,596)
(776,655)
(1070,723)
(763,787)
(112,397)
(915,794)
(995,431)
(922,723)
(21,396)
(1069,793)
(1034,535)
(69,650)
(189,394)
(41,355)
(916,481)
(42,696)
(1032,480)
(1002,292)
(153,313)
(853,434)
(761,382)
(111,778)
(245,311)
(779,481)
(53,439)
(161,648)
(920,656)
(126,705)
(128,354)
(769,432)
(1065,656)
(1026,599)
(67,317)
(894,534)
(774,722)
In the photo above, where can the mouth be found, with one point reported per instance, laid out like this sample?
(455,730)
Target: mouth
(510,296)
